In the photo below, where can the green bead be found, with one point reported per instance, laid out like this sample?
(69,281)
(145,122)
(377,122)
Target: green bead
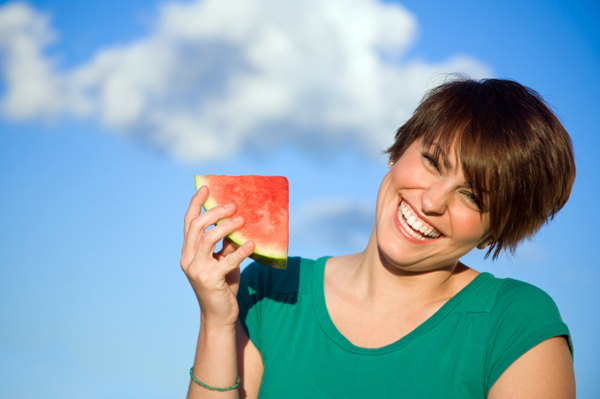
(234,386)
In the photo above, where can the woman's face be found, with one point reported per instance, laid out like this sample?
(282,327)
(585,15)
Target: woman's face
(427,216)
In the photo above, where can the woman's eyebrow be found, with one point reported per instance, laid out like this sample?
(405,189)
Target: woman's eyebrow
(439,151)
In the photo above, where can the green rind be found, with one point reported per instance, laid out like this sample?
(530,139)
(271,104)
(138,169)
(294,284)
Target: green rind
(240,240)
(273,259)
(200,181)
(277,263)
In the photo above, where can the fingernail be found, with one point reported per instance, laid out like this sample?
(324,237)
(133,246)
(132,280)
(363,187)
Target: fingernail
(227,206)
(237,219)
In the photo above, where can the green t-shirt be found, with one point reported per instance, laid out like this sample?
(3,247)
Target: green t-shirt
(459,352)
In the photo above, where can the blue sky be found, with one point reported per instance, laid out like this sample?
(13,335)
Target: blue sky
(109,108)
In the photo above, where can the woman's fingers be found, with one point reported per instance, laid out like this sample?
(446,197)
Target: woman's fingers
(196,230)
(200,245)
(228,248)
(195,207)
(234,259)
(208,240)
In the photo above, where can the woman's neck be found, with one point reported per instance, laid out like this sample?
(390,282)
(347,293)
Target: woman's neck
(372,281)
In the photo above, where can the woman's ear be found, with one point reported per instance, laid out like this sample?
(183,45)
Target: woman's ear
(390,164)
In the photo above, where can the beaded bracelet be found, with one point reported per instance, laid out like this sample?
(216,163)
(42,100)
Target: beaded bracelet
(234,386)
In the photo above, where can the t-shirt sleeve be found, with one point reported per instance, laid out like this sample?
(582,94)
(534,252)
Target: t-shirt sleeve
(522,317)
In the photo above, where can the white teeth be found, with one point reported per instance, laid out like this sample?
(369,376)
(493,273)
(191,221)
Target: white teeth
(418,226)
(411,232)
(408,218)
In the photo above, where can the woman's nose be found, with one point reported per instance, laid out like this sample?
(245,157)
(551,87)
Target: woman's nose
(434,199)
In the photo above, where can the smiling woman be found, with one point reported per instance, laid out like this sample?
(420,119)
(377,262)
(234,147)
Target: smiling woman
(480,163)
(515,154)
(420,194)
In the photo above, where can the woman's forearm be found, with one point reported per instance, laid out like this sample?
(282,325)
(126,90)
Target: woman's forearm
(215,363)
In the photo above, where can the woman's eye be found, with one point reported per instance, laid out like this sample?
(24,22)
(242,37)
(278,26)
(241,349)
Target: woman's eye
(473,199)
(431,161)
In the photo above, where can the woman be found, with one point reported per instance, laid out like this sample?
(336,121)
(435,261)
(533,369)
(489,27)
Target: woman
(480,164)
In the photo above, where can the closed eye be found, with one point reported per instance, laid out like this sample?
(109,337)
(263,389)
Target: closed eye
(472,198)
(431,161)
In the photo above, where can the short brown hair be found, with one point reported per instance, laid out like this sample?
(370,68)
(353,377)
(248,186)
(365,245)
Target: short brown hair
(514,151)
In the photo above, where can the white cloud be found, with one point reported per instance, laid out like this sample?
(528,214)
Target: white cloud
(215,75)
(30,82)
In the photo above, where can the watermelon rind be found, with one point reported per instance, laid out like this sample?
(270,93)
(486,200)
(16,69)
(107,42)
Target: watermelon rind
(277,263)
(275,259)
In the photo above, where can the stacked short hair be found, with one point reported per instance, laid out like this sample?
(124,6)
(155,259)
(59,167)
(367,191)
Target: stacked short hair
(513,150)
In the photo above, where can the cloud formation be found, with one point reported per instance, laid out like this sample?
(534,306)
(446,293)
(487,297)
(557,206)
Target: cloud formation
(214,76)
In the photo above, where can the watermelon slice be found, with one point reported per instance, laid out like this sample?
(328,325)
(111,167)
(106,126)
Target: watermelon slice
(263,203)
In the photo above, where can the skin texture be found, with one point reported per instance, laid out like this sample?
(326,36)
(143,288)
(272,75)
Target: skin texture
(374,297)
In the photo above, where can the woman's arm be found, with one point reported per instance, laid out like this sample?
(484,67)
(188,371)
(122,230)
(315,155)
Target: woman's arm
(215,279)
(249,363)
(215,363)
(217,345)
(545,371)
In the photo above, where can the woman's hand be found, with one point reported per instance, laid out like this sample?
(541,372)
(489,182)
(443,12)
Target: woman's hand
(214,276)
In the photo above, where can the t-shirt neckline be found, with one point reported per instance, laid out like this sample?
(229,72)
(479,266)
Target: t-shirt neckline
(334,334)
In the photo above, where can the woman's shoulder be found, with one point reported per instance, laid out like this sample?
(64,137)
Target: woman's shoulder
(521,317)
(520,297)
(519,309)
(491,294)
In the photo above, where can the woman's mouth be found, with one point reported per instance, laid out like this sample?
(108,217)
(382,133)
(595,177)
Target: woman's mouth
(416,227)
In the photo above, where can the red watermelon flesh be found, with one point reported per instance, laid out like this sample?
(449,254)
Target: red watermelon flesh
(263,203)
